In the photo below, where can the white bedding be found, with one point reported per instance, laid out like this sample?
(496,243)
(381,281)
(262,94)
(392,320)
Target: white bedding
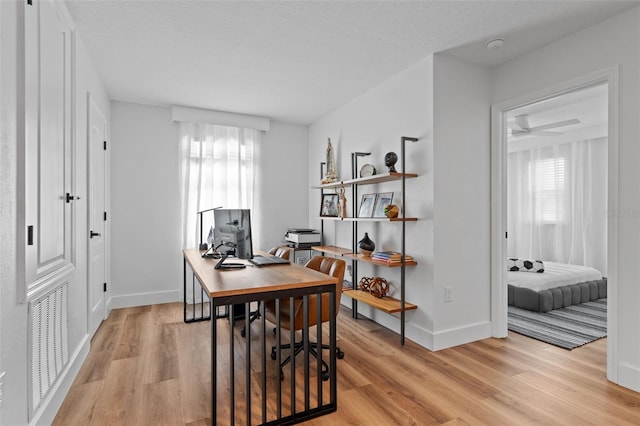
(554,275)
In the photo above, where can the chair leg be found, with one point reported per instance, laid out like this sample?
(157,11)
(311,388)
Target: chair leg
(252,317)
(299,347)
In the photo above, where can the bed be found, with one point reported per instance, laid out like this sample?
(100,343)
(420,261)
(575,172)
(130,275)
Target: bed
(559,286)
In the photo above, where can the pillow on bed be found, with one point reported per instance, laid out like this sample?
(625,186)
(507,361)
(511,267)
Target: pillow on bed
(524,265)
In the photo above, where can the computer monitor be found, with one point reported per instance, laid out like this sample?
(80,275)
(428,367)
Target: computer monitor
(232,236)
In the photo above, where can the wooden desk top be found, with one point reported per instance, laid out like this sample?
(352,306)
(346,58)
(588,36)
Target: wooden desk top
(252,279)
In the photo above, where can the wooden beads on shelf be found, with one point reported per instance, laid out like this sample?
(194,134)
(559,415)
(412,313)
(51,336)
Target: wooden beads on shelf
(378,287)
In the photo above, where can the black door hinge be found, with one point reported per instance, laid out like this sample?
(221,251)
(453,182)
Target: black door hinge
(30,235)
(505,235)
(105,145)
(30,2)
(104,287)
(105,215)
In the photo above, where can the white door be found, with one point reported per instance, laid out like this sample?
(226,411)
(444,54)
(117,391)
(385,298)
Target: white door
(47,103)
(96,135)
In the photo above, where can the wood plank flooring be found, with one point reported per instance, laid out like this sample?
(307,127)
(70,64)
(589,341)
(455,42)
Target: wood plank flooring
(147,367)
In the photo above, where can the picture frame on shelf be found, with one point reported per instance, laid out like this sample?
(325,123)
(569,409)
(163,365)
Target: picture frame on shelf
(383,200)
(329,205)
(367,205)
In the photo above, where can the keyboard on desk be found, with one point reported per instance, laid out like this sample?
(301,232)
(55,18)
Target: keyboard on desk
(268,260)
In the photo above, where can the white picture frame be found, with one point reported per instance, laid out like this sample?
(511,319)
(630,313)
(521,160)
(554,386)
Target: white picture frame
(382,200)
(367,205)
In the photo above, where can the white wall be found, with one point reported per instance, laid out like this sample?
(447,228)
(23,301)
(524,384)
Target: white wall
(615,42)
(375,122)
(87,81)
(145,192)
(13,322)
(145,206)
(461,202)
(281,183)
(13,318)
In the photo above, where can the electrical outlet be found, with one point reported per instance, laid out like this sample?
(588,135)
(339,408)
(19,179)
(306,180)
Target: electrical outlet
(1,388)
(448,294)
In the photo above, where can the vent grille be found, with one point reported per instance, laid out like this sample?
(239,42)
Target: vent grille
(49,341)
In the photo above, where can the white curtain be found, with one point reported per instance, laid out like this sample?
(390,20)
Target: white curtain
(217,169)
(557,203)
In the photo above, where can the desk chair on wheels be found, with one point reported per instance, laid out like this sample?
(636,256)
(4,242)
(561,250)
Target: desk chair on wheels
(283,253)
(330,266)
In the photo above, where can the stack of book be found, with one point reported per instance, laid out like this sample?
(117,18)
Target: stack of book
(390,257)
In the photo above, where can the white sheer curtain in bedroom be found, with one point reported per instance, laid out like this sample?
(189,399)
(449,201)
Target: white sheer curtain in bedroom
(557,202)
(217,169)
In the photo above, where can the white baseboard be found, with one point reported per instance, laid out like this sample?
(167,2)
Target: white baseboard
(426,338)
(50,406)
(629,377)
(461,335)
(420,336)
(142,299)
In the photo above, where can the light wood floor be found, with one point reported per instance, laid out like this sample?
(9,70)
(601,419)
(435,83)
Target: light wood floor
(147,367)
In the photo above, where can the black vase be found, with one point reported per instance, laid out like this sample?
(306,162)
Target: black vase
(366,245)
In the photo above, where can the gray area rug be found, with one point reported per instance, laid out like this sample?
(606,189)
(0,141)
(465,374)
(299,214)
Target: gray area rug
(567,328)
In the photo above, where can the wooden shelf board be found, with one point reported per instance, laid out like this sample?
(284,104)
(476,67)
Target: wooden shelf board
(345,252)
(371,219)
(368,259)
(369,180)
(338,251)
(386,304)
(380,219)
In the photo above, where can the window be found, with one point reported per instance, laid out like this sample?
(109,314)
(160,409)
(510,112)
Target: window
(217,169)
(547,187)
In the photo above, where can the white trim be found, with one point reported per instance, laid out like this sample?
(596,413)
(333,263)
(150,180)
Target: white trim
(461,335)
(198,115)
(613,266)
(143,299)
(498,223)
(50,406)
(498,205)
(629,377)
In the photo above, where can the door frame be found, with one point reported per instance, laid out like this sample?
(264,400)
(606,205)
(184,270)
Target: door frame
(499,204)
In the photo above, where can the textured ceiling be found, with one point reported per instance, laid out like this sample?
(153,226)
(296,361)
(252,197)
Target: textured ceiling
(295,61)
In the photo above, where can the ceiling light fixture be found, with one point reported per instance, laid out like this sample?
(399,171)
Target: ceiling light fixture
(494,43)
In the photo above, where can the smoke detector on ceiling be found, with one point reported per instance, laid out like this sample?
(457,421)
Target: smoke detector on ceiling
(494,43)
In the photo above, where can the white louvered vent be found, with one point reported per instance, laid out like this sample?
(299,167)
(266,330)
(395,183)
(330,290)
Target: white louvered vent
(49,341)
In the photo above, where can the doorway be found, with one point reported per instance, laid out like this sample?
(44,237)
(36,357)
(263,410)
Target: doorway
(503,119)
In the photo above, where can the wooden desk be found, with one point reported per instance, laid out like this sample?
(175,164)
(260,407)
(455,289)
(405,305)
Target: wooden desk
(277,282)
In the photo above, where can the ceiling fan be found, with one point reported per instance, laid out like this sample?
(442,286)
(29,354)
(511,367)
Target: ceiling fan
(520,126)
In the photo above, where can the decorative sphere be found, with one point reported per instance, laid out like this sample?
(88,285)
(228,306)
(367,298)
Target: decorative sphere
(390,160)
(391,211)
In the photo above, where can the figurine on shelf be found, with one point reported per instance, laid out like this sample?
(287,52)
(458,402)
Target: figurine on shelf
(332,172)
(390,160)
(342,203)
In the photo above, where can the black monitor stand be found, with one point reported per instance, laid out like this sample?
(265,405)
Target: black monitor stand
(223,266)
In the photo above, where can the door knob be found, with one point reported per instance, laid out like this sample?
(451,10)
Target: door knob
(69,198)
(93,234)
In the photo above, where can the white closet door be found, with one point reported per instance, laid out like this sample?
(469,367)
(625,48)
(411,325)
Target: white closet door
(97,136)
(48,165)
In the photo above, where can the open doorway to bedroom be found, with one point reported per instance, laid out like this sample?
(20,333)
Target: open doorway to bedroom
(556,198)
(563,110)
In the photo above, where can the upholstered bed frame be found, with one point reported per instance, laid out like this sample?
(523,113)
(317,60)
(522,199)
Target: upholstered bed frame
(559,297)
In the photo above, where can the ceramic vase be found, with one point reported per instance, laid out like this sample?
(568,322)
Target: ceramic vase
(366,245)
